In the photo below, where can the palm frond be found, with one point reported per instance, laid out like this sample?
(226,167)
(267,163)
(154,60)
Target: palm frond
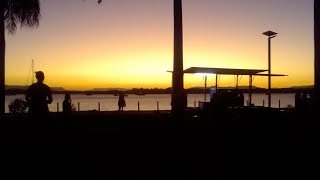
(10,23)
(29,13)
(23,12)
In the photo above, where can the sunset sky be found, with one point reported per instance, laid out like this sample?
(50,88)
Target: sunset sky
(81,45)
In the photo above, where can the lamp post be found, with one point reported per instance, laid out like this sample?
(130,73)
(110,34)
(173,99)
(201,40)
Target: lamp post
(205,88)
(270,35)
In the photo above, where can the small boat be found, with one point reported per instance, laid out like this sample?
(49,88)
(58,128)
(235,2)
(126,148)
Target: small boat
(140,93)
(118,94)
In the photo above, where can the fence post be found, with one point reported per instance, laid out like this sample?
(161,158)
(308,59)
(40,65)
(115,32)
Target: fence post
(263,103)
(78,106)
(138,106)
(99,106)
(279,104)
(57,107)
(157,105)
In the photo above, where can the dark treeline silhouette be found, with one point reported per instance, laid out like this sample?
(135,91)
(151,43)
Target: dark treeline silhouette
(14,91)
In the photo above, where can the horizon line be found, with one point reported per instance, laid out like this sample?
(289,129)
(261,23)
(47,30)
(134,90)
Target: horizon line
(117,88)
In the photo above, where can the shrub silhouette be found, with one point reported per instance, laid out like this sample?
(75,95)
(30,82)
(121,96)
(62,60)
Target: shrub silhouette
(17,106)
(73,107)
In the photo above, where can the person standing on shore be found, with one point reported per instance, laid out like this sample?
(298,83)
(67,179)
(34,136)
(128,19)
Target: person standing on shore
(66,105)
(38,96)
(121,101)
(67,110)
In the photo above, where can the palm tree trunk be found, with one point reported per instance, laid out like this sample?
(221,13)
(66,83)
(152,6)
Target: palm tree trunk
(2,62)
(178,96)
(317,53)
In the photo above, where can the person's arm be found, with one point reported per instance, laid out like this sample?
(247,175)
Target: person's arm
(50,99)
(49,96)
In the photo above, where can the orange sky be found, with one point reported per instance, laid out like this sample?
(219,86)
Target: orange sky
(129,43)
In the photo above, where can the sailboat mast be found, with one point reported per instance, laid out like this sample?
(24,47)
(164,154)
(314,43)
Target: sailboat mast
(32,66)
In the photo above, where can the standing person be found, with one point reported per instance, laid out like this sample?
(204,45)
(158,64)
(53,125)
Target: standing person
(67,110)
(121,101)
(66,105)
(241,99)
(38,96)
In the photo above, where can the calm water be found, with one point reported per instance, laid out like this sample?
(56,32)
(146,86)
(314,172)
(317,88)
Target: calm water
(149,101)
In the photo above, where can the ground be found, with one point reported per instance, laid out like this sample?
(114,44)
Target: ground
(246,144)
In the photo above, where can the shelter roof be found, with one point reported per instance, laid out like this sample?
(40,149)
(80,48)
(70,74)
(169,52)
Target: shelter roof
(226,71)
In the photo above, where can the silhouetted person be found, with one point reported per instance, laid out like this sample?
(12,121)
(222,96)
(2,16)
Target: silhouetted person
(186,100)
(38,97)
(67,110)
(241,99)
(213,100)
(66,105)
(121,101)
(298,100)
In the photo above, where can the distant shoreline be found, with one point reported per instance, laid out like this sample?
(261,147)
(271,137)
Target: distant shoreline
(166,91)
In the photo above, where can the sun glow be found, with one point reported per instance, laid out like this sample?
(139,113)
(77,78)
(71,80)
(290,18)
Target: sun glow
(101,46)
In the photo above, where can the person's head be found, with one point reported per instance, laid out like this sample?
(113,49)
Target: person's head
(40,76)
(67,96)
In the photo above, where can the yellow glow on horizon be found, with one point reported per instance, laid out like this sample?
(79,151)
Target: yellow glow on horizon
(135,71)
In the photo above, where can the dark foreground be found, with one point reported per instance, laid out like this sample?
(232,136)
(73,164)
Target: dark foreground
(238,144)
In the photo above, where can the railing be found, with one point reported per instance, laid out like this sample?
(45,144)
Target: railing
(157,107)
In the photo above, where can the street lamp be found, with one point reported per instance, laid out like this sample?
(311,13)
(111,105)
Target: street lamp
(270,35)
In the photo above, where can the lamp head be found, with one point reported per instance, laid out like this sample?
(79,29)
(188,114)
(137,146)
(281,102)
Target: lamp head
(270,34)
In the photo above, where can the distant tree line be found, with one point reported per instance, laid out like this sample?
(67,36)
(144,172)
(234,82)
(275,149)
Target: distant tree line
(14,91)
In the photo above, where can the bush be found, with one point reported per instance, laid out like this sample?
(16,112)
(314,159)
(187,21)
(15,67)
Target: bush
(289,106)
(73,107)
(17,106)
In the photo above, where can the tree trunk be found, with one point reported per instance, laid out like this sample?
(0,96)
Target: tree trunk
(316,54)
(2,62)
(178,96)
